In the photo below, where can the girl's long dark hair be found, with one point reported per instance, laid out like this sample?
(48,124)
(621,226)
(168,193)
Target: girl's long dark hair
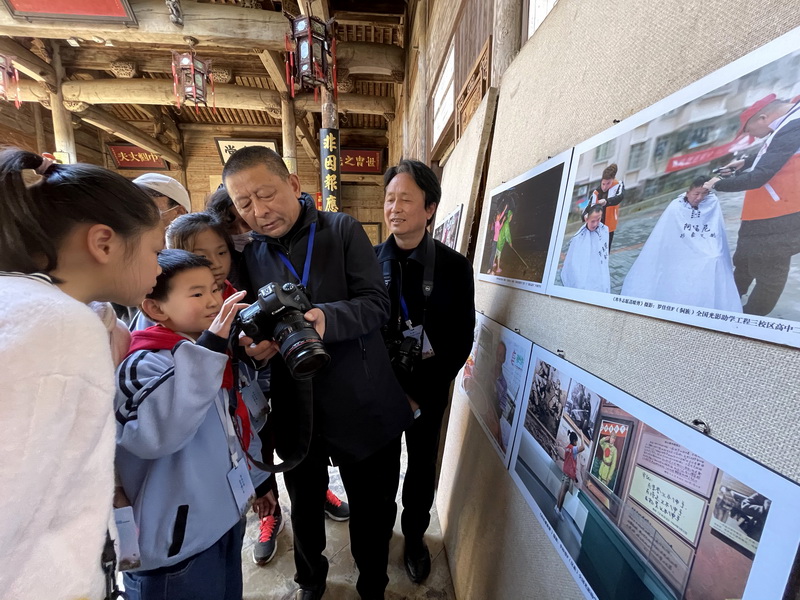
(34,220)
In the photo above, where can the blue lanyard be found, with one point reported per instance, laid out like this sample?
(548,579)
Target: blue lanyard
(404,309)
(307,265)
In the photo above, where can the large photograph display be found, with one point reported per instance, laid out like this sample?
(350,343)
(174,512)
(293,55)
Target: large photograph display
(493,381)
(447,231)
(642,506)
(521,228)
(641,231)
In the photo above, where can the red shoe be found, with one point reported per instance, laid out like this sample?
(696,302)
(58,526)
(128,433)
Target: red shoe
(267,543)
(335,508)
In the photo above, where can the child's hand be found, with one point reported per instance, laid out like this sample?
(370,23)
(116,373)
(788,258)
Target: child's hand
(222,322)
(266,505)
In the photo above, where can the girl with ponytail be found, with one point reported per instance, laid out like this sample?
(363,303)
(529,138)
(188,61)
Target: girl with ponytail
(77,235)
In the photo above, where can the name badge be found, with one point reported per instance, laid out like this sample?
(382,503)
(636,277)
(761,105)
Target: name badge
(242,486)
(417,333)
(257,404)
(127,539)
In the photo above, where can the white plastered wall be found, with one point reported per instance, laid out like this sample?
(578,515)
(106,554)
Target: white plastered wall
(587,65)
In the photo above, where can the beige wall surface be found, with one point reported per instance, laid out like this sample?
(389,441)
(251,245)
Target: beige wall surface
(462,172)
(589,64)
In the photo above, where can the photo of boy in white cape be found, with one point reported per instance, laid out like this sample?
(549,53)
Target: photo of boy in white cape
(686,258)
(586,264)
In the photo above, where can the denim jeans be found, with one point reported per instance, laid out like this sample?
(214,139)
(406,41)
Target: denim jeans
(214,574)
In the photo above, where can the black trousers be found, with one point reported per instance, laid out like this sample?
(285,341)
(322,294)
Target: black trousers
(770,272)
(422,445)
(371,486)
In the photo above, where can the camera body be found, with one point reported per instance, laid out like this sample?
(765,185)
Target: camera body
(277,315)
(404,353)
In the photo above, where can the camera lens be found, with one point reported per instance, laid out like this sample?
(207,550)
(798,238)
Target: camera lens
(300,345)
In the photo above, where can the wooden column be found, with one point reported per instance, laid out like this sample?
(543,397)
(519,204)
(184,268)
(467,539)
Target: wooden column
(330,168)
(288,126)
(41,144)
(422,78)
(330,111)
(506,36)
(62,118)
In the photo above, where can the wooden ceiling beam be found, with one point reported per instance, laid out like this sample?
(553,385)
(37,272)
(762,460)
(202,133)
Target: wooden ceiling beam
(364,59)
(160,92)
(276,68)
(346,17)
(228,129)
(349,103)
(367,58)
(212,25)
(27,62)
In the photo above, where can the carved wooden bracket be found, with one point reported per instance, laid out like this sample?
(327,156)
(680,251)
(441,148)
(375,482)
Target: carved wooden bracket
(175,12)
(124,69)
(221,74)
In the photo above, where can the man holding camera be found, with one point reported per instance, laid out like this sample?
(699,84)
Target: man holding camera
(353,410)
(429,334)
(769,235)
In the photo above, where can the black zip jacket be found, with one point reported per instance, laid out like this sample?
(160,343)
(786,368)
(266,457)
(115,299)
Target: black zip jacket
(358,405)
(449,320)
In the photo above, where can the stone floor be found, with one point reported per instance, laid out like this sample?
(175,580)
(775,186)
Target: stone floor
(274,580)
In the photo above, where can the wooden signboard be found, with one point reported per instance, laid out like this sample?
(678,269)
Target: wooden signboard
(130,156)
(97,11)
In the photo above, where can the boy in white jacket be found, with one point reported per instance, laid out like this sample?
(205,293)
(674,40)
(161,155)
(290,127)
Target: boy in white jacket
(179,456)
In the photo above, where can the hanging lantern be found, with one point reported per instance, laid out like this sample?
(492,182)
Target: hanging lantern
(310,55)
(192,79)
(9,80)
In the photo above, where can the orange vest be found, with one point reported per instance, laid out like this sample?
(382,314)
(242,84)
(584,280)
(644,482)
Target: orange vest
(780,196)
(611,216)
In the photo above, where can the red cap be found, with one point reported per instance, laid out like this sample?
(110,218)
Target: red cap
(753,111)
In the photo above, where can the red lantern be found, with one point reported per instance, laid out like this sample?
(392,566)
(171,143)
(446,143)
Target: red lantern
(9,80)
(310,54)
(192,79)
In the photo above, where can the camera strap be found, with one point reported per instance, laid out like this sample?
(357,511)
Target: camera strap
(427,279)
(307,265)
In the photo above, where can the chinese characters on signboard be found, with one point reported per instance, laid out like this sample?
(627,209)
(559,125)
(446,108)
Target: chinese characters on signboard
(130,156)
(330,168)
(227,146)
(362,161)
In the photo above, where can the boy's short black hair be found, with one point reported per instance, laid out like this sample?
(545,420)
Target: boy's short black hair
(594,208)
(573,438)
(697,182)
(172,262)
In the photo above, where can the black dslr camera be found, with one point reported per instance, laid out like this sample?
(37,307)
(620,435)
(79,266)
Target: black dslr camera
(277,315)
(404,352)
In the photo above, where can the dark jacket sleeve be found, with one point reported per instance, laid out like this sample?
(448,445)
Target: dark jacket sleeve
(782,147)
(616,200)
(367,307)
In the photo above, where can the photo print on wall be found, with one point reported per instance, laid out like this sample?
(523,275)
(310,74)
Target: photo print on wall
(493,381)
(447,231)
(522,220)
(641,231)
(642,506)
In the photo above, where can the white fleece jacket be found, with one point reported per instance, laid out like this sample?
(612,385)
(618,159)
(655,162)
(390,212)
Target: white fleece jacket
(57,443)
